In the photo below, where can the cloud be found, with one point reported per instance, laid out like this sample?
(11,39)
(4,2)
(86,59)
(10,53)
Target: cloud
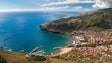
(53,9)
(53,6)
(68,2)
(102,4)
(78,7)
(63,9)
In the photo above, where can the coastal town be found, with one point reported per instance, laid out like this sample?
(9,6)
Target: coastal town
(91,43)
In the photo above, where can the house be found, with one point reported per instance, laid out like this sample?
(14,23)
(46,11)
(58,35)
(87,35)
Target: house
(81,37)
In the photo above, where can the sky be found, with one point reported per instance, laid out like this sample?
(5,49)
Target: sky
(53,5)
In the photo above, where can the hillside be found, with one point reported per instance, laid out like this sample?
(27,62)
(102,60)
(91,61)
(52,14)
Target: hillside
(13,57)
(17,57)
(94,20)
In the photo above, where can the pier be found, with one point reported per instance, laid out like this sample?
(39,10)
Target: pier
(57,48)
(36,52)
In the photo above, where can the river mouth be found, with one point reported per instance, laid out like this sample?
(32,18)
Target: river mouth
(20,30)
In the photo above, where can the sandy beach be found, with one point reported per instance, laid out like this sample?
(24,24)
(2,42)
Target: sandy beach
(62,51)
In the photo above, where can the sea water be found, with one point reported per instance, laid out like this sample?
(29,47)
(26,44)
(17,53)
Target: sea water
(20,30)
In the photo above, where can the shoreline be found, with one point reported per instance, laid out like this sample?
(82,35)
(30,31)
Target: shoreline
(65,44)
(66,49)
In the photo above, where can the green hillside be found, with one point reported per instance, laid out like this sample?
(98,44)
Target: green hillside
(94,20)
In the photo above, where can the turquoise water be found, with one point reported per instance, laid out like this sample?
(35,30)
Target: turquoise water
(20,30)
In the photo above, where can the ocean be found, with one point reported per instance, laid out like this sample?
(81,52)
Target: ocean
(20,30)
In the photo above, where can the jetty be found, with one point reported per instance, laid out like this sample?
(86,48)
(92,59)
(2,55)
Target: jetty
(57,48)
(35,49)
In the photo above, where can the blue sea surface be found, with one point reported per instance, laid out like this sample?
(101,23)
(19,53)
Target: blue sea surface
(20,30)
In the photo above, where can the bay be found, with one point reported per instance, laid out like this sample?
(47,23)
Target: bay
(20,30)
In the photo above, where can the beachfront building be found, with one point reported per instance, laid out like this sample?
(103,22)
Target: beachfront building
(76,41)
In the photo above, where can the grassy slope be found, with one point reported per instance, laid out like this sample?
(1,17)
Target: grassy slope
(96,20)
(14,57)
